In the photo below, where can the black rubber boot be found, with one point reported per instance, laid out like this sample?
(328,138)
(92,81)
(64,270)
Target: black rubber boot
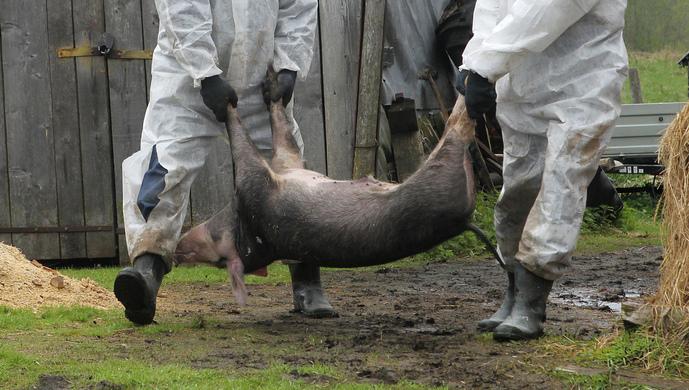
(137,288)
(308,294)
(528,313)
(503,312)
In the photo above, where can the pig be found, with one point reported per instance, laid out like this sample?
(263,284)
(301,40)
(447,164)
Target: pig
(283,211)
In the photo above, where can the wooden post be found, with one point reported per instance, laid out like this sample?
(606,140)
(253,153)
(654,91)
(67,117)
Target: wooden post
(340,26)
(635,86)
(369,89)
(5,220)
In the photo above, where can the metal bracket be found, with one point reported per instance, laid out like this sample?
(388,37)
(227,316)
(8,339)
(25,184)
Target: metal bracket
(105,48)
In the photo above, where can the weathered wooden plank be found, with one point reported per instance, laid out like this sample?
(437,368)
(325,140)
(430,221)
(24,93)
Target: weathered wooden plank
(150,27)
(127,82)
(28,118)
(409,155)
(94,124)
(5,220)
(370,74)
(70,199)
(635,86)
(340,24)
(308,112)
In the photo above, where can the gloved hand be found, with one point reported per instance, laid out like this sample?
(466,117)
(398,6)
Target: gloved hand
(480,96)
(286,80)
(217,94)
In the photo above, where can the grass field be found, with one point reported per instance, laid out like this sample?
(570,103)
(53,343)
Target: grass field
(662,80)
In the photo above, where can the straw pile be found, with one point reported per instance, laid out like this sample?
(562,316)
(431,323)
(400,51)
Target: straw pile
(671,317)
(28,284)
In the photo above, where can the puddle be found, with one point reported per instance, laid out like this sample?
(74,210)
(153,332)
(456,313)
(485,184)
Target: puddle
(605,300)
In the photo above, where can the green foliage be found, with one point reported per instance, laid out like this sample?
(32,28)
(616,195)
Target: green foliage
(639,348)
(278,273)
(662,80)
(657,24)
(21,370)
(583,381)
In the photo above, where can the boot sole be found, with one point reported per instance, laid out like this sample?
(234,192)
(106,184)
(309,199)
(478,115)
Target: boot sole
(321,313)
(510,333)
(130,289)
(487,326)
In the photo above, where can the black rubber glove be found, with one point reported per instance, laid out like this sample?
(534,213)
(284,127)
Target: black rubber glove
(286,80)
(480,96)
(217,94)
(461,82)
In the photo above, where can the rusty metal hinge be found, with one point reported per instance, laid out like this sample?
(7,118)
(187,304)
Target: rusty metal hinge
(105,48)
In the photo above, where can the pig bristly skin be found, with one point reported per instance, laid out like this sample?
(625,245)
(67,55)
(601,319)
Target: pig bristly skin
(284,211)
(289,212)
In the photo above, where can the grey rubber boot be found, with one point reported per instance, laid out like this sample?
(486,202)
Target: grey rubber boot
(528,313)
(503,312)
(137,287)
(308,294)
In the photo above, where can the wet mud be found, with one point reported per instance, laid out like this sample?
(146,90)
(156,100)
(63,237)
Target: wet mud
(415,324)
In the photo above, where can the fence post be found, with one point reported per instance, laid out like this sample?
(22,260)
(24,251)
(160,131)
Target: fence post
(635,86)
(368,104)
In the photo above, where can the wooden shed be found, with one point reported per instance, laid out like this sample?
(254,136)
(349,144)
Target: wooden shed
(69,116)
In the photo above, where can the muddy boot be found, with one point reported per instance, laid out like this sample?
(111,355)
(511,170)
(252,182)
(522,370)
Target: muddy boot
(309,297)
(528,313)
(503,312)
(137,288)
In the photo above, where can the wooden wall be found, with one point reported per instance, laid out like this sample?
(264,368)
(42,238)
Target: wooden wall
(67,124)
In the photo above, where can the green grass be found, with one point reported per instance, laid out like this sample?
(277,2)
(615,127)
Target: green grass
(638,352)
(278,273)
(633,349)
(662,80)
(85,346)
(19,370)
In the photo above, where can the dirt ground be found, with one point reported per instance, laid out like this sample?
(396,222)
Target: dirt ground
(414,324)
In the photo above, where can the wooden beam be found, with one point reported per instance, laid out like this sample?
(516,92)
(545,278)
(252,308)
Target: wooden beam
(370,70)
(5,219)
(340,26)
(635,86)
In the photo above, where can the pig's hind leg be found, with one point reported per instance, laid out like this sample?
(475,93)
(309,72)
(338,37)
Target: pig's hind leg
(286,153)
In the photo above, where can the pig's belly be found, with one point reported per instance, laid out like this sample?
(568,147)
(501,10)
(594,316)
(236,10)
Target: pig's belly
(353,223)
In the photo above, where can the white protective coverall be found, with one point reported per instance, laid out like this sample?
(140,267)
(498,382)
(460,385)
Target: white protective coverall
(559,66)
(197,39)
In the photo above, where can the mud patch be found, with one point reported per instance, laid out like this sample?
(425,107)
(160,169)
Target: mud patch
(52,382)
(395,325)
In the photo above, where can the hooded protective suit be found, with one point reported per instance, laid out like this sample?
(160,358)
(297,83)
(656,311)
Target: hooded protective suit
(559,66)
(197,39)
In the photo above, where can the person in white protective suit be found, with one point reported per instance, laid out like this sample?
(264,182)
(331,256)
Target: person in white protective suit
(558,67)
(209,53)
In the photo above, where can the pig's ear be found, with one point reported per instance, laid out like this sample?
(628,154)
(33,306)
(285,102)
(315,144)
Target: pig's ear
(236,270)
